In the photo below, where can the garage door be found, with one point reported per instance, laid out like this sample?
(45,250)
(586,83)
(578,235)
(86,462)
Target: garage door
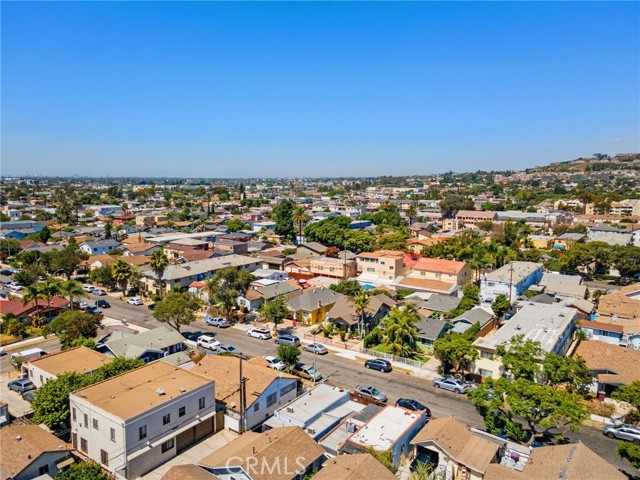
(184,439)
(204,428)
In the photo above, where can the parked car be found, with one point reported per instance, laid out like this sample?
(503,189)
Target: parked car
(379,364)
(261,333)
(29,395)
(216,321)
(135,301)
(226,348)
(22,385)
(307,371)
(93,309)
(207,341)
(316,348)
(6,272)
(83,305)
(132,292)
(99,292)
(103,304)
(151,306)
(453,384)
(414,405)
(88,288)
(196,335)
(371,392)
(2,352)
(287,340)
(275,363)
(625,431)
(16,287)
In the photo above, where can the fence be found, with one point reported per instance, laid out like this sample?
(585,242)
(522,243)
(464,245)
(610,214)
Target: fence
(393,358)
(328,341)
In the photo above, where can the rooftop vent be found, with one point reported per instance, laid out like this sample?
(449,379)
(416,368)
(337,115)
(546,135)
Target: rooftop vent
(160,391)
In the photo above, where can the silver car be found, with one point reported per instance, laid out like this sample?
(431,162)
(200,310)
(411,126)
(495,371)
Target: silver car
(316,348)
(453,384)
(627,432)
(371,392)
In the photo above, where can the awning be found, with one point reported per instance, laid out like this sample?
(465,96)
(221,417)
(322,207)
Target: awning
(65,463)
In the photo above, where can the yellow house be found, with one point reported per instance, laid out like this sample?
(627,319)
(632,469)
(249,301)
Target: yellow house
(312,306)
(541,241)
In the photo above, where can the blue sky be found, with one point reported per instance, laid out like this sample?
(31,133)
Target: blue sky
(315,89)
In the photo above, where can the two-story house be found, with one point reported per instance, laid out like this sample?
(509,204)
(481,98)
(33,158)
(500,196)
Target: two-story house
(436,275)
(99,247)
(312,306)
(136,421)
(380,267)
(510,280)
(333,267)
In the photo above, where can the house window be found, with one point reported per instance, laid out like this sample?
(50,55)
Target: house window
(86,421)
(113,434)
(287,389)
(166,419)
(484,354)
(142,432)
(73,413)
(256,406)
(371,269)
(41,379)
(168,445)
(271,399)
(182,411)
(104,458)
(485,373)
(74,440)
(43,470)
(84,446)
(95,423)
(201,403)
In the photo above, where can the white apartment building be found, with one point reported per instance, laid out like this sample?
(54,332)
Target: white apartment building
(136,421)
(510,280)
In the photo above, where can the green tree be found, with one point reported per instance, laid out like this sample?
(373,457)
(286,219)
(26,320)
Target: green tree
(72,325)
(102,276)
(393,241)
(51,402)
(107,229)
(68,259)
(300,218)
(361,303)
(400,331)
(122,273)
(117,366)
(520,357)
(282,214)
(235,224)
(330,231)
(159,263)
(9,247)
(72,289)
(226,286)
(289,354)
(455,352)
(453,202)
(176,309)
(350,288)
(275,310)
(82,471)
(359,241)
(501,306)
(33,293)
(630,394)
(28,276)
(629,451)
(50,287)
(565,370)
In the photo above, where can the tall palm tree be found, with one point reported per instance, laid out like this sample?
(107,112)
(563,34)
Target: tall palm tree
(72,289)
(122,273)
(33,293)
(300,218)
(401,334)
(50,288)
(159,263)
(360,302)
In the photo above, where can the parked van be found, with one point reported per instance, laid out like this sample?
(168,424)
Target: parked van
(27,355)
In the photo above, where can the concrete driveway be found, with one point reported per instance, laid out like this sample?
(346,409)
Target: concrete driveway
(17,406)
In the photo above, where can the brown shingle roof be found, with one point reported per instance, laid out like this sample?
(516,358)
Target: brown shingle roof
(19,454)
(424,284)
(225,371)
(285,446)
(604,356)
(625,311)
(466,448)
(439,265)
(360,466)
(188,472)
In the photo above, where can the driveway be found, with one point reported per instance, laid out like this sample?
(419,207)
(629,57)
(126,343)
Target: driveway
(17,406)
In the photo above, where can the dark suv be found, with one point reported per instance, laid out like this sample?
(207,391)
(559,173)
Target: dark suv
(379,364)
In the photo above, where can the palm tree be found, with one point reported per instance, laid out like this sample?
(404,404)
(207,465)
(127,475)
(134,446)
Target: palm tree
(300,218)
(159,263)
(411,213)
(360,302)
(72,289)
(33,293)
(50,288)
(400,331)
(122,273)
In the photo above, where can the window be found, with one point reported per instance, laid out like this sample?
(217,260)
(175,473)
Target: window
(371,269)
(43,470)
(30,373)
(201,403)
(73,413)
(182,411)
(484,354)
(287,389)
(168,445)
(166,419)
(485,373)
(84,446)
(74,440)
(86,420)
(142,432)
(256,406)
(113,434)
(271,399)
(104,458)
(41,380)
(95,423)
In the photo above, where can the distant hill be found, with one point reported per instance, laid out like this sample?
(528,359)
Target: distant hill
(597,163)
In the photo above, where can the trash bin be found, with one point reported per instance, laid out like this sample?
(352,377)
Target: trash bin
(601,395)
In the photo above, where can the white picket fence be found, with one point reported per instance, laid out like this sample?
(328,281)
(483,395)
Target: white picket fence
(393,358)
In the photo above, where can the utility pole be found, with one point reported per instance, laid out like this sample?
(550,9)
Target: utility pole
(510,281)
(243,401)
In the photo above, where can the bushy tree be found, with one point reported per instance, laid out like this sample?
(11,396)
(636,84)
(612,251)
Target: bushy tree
(176,309)
(282,214)
(347,287)
(289,354)
(501,306)
(629,451)
(455,352)
(73,324)
(520,357)
(630,394)
(453,202)
(82,471)
(226,286)
(235,224)
(51,402)
(275,310)
(564,370)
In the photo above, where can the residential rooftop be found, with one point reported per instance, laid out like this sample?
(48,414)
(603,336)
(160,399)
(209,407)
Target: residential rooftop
(78,359)
(383,430)
(513,272)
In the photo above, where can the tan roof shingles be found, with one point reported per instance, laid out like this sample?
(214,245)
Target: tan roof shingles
(440,265)
(188,472)
(135,392)
(78,359)
(225,371)
(19,454)
(454,438)
(287,448)
(361,466)
(604,356)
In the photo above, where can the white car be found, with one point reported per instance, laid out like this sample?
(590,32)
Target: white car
(216,321)
(274,363)
(261,333)
(99,292)
(16,287)
(206,341)
(88,288)
(135,301)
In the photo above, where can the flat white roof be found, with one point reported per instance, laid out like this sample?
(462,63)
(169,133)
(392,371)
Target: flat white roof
(383,430)
(521,270)
(308,407)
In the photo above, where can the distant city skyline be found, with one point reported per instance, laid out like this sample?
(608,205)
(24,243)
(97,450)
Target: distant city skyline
(294,89)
